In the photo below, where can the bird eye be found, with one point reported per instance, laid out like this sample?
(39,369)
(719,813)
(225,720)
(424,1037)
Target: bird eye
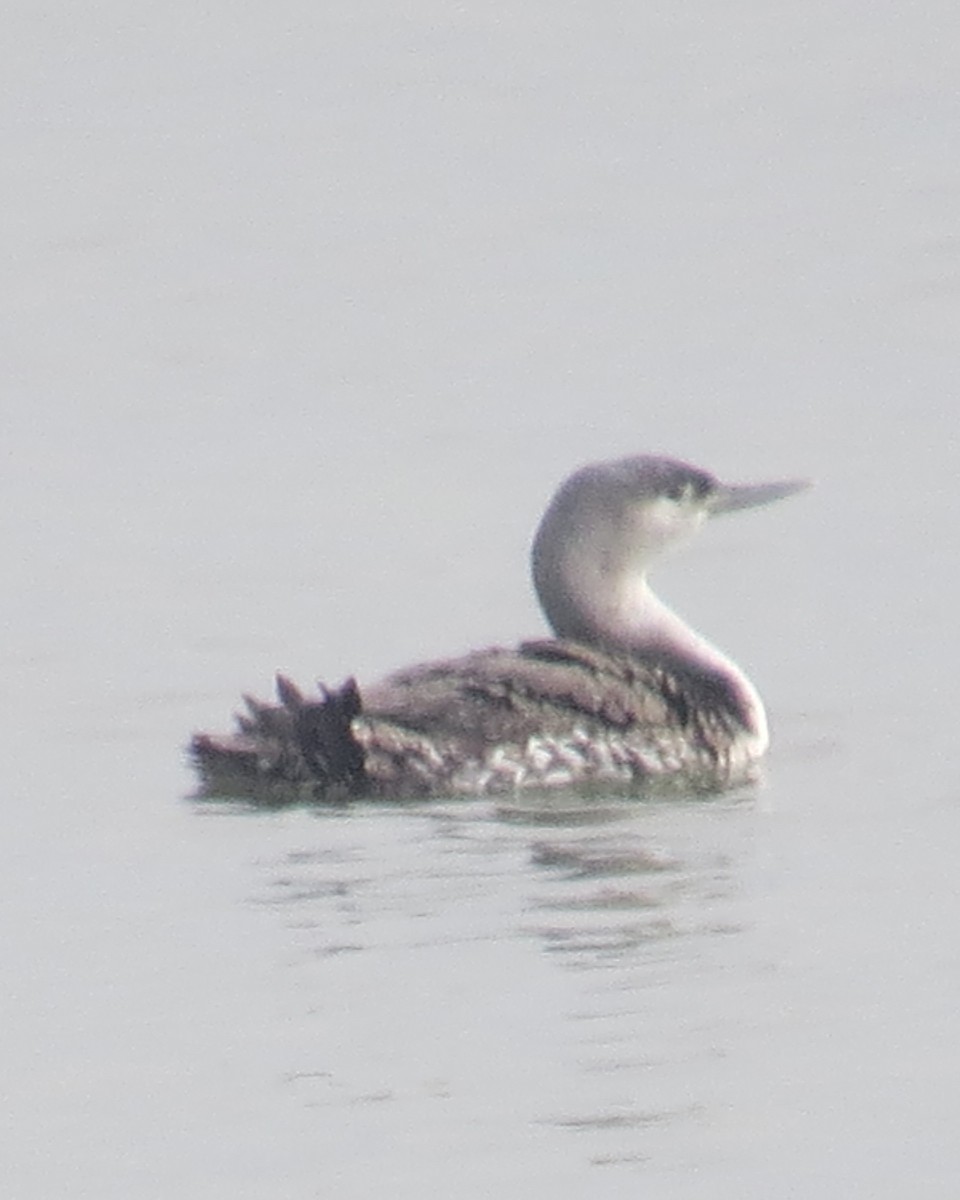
(680,492)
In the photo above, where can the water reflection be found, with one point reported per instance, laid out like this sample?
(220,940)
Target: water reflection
(606,897)
(581,953)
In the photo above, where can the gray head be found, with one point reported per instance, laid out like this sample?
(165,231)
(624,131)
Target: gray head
(608,520)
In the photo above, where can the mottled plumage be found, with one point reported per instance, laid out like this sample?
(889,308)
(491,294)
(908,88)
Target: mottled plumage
(626,693)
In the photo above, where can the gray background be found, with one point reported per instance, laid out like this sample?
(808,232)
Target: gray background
(305,310)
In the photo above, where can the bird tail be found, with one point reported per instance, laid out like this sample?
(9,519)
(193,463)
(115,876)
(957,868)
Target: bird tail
(283,751)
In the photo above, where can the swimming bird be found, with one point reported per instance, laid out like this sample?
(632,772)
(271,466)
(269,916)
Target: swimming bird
(624,693)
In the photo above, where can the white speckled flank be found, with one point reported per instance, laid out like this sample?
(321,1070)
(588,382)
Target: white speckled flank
(626,692)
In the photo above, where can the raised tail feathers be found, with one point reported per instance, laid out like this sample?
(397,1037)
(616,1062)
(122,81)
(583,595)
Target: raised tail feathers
(299,744)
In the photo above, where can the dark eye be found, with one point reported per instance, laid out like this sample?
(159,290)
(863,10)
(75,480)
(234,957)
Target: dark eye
(680,491)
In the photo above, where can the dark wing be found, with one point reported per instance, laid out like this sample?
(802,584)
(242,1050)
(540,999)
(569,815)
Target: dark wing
(549,713)
(489,720)
(541,687)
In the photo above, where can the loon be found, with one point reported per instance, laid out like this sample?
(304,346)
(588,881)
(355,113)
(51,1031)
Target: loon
(624,694)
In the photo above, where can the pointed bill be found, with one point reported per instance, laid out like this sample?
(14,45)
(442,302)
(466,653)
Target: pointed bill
(732,497)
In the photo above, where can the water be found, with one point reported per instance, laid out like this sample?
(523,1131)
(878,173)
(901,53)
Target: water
(306,313)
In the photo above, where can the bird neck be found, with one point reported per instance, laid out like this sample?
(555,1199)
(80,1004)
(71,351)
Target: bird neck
(625,615)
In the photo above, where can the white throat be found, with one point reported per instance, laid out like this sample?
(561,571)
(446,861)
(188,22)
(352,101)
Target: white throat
(601,600)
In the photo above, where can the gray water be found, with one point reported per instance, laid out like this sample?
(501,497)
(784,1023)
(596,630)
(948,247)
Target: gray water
(306,310)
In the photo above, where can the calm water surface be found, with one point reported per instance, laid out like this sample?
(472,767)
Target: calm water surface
(307,313)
